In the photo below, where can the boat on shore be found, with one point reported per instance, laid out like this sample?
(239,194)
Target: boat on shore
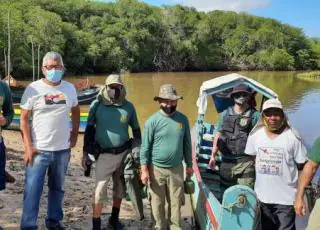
(87,91)
(238,207)
(15,124)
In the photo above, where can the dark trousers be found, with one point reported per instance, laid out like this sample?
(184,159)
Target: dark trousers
(2,165)
(277,217)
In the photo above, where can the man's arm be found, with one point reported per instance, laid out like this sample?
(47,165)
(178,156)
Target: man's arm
(145,152)
(217,135)
(187,148)
(305,178)
(75,119)
(29,150)
(7,108)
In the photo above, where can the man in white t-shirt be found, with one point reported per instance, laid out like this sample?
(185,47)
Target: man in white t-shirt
(47,138)
(279,153)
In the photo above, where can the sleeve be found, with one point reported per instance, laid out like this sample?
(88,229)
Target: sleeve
(146,145)
(314,153)
(7,107)
(220,120)
(92,112)
(74,97)
(28,98)
(250,146)
(187,147)
(300,151)
(134,123)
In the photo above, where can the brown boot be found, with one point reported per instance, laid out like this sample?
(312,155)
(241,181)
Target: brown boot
(9,178)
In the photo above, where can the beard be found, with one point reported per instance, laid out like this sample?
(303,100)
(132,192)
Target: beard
(168,109)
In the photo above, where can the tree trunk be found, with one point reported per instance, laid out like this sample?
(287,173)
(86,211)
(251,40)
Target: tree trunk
(9,50)
(33,70)
(5,62)
(39,62)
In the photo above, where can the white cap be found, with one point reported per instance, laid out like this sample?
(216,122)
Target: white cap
(272,103)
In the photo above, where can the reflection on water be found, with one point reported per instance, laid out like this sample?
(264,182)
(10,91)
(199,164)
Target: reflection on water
(299,97)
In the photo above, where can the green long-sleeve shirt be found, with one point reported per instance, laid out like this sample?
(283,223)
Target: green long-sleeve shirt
(166,141)
(6,107)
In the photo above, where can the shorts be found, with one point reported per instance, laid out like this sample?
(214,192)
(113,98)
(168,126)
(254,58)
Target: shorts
(109,165)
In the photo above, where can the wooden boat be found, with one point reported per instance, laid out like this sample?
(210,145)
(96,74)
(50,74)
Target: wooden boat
(15,124)
(85,96)
(237,208)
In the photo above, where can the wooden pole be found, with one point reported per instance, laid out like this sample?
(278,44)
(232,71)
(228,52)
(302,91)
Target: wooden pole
(5,62)
(33,69)
(9,49)
(38,62)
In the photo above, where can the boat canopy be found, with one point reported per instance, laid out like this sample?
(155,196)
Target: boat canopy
(224,83)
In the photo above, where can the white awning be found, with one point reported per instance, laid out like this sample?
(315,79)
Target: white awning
(225,82)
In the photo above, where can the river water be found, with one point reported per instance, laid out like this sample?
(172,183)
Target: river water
(301,98)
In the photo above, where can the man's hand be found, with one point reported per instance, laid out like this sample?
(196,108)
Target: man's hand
(73,139)
(212,162)
(189,171)
(145,177)
(3,120)
(299,206)
(29,153)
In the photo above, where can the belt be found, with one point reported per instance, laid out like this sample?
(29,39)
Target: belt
(236,160)
(116,150)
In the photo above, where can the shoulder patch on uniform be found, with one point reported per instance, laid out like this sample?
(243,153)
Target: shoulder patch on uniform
(123,118)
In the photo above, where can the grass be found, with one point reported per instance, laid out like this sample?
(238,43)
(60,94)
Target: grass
(313,75)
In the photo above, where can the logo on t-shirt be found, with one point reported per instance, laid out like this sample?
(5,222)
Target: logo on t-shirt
(55,99)
(123,118)
(179,126)
(270,161)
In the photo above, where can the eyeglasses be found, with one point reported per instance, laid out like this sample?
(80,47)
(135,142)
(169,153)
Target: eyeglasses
(50,67)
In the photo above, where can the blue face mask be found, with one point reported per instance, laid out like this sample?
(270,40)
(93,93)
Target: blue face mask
(54,75)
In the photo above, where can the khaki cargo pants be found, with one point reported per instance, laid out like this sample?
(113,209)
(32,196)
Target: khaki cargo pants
(166,183)
(109,166)
(240,172)
(314,219)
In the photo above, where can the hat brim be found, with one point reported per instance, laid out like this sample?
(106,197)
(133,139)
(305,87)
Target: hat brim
(116,83)
(172,98)
(272,107)
(240,91)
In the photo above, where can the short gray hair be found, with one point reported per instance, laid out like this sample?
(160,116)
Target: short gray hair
(52,56)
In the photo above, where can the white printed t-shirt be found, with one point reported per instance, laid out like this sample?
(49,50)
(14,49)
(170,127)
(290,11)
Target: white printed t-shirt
(276,169)
(50,106)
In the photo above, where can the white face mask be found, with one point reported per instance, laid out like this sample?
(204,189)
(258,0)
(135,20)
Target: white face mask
(111,93)
(241,100)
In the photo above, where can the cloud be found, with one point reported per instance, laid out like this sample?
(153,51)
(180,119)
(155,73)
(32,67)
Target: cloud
(233,5)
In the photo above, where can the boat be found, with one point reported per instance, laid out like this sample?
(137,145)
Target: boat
(237,208)
(15,124)
(85,96)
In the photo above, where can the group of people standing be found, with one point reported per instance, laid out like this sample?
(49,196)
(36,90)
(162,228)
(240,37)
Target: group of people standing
(261,151)
(46,106)
(265,153)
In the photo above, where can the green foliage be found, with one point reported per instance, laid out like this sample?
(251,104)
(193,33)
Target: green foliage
(98,37)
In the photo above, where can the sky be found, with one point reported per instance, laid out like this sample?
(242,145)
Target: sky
(300,13)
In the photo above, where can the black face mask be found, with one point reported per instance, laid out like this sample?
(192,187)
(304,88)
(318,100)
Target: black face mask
(168,110)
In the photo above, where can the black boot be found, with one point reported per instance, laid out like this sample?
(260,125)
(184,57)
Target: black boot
(96,223)
(114,222)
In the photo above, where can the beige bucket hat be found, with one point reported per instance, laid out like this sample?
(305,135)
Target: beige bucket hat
(113,79)
(169,92)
